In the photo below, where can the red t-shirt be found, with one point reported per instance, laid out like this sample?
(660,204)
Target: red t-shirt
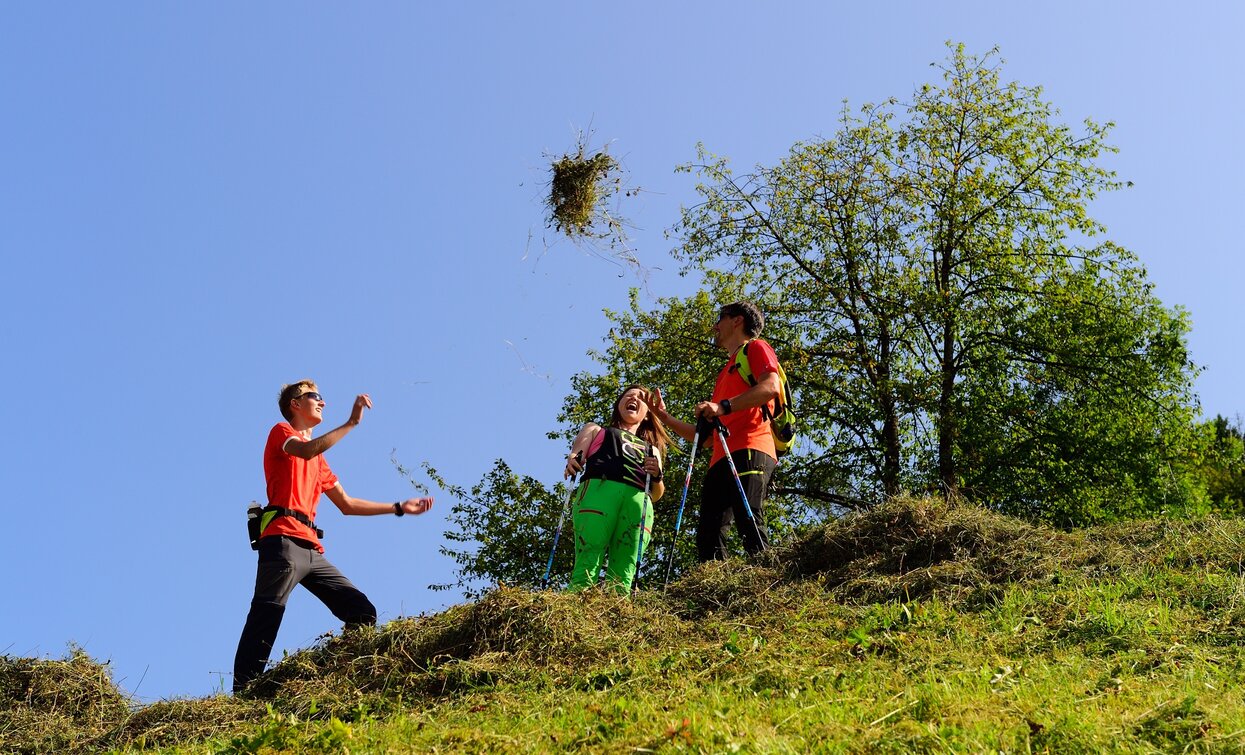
(294,483)
(747,428)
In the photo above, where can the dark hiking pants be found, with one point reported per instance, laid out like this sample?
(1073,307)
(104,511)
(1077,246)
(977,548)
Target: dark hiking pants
(721,506)
(283,563)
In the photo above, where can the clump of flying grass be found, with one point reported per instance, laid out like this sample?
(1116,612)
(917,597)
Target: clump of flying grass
(583,204)
(580,189)
(583,188)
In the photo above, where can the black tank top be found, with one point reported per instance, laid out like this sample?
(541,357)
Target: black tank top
(620,458)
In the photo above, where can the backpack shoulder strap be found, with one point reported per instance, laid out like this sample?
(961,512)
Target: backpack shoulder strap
(745,372)
(741,363)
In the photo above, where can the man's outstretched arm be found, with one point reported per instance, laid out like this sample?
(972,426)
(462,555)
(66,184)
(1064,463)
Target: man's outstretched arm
(351,506)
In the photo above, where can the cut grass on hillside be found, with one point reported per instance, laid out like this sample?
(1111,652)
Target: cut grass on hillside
(911,627)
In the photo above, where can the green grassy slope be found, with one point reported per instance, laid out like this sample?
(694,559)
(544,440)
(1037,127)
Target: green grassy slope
(908,628)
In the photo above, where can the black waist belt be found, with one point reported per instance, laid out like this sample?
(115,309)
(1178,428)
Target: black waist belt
(297,516)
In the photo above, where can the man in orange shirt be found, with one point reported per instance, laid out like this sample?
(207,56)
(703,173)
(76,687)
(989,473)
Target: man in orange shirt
(290,553)
(738,405)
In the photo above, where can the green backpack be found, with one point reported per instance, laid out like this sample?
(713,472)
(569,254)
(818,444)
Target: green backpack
(782,417)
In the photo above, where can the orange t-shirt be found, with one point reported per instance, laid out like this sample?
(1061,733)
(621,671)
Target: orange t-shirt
(747,428)
(294,483)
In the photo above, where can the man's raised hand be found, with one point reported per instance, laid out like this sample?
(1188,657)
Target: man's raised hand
(654,400)
(361,402)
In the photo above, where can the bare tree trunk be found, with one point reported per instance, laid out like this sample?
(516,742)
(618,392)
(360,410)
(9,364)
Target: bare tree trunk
(890,417)
(948,421)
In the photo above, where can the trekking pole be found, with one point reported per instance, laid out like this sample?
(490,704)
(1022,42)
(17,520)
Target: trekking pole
(722,433)
(566,504)
(678,521)
(639,549)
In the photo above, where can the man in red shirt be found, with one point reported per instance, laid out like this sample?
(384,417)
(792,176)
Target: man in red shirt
(290,553)
(738,404)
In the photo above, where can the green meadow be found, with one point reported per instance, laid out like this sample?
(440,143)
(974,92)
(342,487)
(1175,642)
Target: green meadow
(912,627)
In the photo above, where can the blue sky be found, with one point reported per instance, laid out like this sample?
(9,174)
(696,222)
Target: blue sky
(199,203)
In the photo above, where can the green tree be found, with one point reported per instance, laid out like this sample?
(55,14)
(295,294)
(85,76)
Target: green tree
(939,265)
(1082,413)
(501,530)
(1223,467)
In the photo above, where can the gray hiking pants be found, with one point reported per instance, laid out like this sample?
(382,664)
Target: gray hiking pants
(284,563)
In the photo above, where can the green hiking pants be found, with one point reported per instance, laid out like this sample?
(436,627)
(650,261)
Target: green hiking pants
(607,526)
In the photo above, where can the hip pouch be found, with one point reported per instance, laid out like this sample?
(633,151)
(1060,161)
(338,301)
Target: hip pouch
(253,526)
(258,519)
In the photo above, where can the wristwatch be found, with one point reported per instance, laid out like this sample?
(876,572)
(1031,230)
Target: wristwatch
(397,509)
(726,406)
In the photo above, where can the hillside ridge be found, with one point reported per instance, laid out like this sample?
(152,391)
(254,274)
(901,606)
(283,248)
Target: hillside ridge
(912,589)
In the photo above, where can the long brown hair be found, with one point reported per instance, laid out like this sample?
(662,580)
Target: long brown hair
(651,429)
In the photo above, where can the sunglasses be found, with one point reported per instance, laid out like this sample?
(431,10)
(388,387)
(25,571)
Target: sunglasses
(311,395)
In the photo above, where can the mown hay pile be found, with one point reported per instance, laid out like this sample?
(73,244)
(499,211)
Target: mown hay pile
(55,705)
(911,548)
(1209,542)
(72,705)
(173,722)
(729,588)
(464,647)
